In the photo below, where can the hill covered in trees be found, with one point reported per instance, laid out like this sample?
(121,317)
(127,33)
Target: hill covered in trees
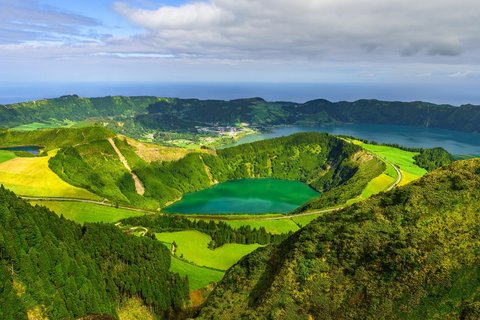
(411,253)
(73,108)
(323,161)
(135,115)
(52,267)
(258,112)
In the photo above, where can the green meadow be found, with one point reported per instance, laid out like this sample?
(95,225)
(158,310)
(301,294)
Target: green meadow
(402,159)
(6,155)
(193,247)
(87,212)
(44,125)
(198,277)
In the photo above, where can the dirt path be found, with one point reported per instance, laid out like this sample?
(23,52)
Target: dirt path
(138,183)
(399,176)
(144,230)
(100,203)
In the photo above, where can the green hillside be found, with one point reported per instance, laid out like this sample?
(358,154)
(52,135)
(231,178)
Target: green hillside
(412,253)
(188,113)
(323,161)
(137,115)
(53,138)
(53,268)
(73,108)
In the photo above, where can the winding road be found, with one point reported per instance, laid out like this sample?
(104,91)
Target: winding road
(101,203)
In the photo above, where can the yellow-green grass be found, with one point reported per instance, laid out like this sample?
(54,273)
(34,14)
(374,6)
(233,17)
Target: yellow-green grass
(302,221)
(198,277)
(87,212)
(6,155)
(193,246)
(377,185)
(44,125)
(400,158)
(133,309)
(32,177)
(272,226)
(407,177)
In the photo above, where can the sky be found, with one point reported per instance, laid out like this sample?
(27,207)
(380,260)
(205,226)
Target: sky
(386,44)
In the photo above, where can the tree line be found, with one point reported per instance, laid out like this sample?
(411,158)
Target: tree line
(220,231)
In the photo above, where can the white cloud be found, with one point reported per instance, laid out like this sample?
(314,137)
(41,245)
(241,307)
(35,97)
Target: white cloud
(133,55)
(326,29)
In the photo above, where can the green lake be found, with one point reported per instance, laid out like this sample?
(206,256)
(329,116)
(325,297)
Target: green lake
(252,196)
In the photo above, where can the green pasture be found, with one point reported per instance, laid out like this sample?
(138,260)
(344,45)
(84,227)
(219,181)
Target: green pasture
(6,155)
(193,246)
(198,277)
(87,212)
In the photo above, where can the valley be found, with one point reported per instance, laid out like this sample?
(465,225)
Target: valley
(209,208)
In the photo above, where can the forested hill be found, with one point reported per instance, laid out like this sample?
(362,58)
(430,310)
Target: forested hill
(412,253)
(53,268)
(73,108)
(191,112)
(169,114)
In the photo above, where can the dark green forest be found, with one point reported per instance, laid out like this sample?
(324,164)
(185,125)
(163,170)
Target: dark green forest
(433,158)
(411,253)
(258,112)
(71,271)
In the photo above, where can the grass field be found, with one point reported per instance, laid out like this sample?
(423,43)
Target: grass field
(193,245)
(377,185)
(33,177)
(87,212)
(6,155)
(44,125)
(302,221)
(400,158)
(198,277)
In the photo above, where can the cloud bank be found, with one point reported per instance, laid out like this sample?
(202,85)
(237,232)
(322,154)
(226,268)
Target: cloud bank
(326,29)
(328,41)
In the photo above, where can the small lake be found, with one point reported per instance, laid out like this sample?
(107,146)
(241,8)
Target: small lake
(455,142)
(32,149)
(252,196)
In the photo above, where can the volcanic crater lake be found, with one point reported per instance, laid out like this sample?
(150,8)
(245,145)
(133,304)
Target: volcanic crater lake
(248,196)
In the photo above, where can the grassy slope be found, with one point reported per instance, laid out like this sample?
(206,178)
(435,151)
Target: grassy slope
(302,221)
(198,277)
(87,212)
(44,125)
(402,159)
(194,247)
(33,177)
(53,138)
(377,185)
(6,155)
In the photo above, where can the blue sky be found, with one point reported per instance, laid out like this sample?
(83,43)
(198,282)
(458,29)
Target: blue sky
(395,42)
